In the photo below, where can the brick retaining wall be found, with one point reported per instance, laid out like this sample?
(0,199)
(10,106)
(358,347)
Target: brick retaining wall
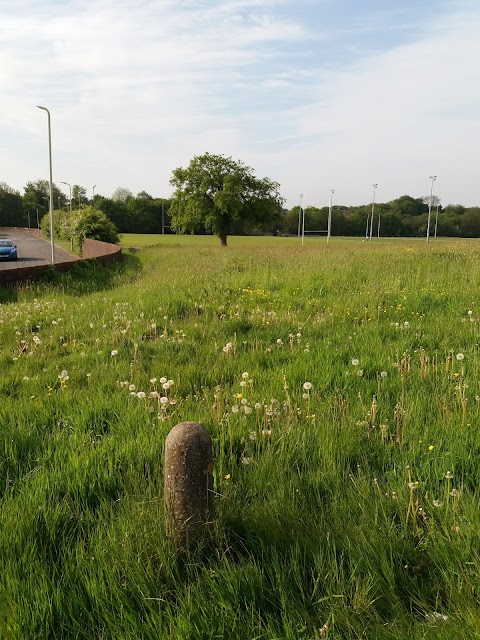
(102,251)
(91,250)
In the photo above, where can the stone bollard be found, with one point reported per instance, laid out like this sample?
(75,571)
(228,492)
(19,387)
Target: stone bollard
(188,484)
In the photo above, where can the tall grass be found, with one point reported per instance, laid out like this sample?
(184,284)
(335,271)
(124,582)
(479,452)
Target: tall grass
(340,385)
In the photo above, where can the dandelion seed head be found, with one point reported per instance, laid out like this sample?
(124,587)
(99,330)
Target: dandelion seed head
(355,362)
(460,356)
(307,386)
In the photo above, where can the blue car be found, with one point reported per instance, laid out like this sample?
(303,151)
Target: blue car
(8,251)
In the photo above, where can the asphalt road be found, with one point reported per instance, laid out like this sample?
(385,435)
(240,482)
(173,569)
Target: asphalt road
(31,250)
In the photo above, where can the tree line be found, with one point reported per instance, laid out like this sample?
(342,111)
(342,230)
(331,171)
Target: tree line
(216,194)
(405,216)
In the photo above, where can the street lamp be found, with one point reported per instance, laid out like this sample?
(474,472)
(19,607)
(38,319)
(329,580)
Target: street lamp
(28,214)
(373,207)
(329,226)
(70,186)
(51,183)
(93,197)
(432,178)
(38,221)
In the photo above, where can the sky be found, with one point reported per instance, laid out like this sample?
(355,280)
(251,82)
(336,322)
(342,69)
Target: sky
(314,94)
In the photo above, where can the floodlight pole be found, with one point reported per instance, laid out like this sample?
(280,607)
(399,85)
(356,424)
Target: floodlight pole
(300,215)
(303,220)
(93,197)
(51,183)
(373,207)
(329,226)
(432,178)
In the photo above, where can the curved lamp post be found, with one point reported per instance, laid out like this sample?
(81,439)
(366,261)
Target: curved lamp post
(70,186)
(51,184)
(432,178)
(93,197)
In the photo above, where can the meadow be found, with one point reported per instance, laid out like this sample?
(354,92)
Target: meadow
(341,387)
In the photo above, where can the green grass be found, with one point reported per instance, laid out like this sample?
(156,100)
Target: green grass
(316,523)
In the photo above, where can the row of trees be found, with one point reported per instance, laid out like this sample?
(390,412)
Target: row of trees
(219,195)
(129,214)
(405,216)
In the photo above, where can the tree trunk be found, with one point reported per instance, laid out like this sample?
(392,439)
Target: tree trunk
(223,238)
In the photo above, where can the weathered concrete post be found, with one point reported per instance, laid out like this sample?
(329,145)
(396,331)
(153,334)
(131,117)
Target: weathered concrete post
(188,483)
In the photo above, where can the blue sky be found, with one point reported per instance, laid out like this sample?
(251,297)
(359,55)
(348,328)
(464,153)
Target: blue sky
(316,94)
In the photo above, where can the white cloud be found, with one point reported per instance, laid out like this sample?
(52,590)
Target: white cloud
(136,89)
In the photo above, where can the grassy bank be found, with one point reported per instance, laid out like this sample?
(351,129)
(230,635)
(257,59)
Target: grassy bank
(340,385)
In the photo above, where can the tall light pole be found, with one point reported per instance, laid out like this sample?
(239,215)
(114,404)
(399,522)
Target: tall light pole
(38,221)
(51,183)
(28,214)
(300,215)
(70,186)
(373,207)
(329,226)
(303,221)
(93,197)
(432,178)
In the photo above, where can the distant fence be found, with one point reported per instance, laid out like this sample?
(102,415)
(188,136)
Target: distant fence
(91,250)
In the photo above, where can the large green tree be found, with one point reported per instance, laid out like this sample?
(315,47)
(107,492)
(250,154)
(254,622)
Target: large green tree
(37,195)
(12,213)
(220,194)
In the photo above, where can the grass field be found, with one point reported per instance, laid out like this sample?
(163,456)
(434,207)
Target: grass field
(341,387)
